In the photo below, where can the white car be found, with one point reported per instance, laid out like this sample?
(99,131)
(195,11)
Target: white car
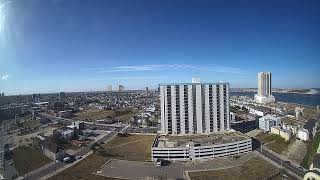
(78,157)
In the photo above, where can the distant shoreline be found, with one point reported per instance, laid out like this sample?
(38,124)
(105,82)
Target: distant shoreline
(310,91)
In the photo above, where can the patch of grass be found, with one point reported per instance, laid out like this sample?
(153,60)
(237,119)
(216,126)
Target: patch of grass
(309,113)
(92,114)
(69,145)
(84,169)
(126,117)
(274,142)
(27,159)
(267,137)
(132,147)
(312,151)
(255,168)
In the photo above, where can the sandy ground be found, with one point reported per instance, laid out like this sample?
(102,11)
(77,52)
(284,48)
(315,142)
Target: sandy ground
(253,133)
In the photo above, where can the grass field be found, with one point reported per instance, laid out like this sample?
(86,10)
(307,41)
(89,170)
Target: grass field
(133,147)
(312,150)
(83,169)
(92,114)
(27,159)
(255,168)
(274,142)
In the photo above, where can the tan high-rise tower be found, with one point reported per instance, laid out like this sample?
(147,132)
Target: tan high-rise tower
(264,95)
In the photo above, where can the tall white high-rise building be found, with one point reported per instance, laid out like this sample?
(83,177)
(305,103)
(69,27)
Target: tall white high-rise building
(264,95)
(190,108)
(109,88)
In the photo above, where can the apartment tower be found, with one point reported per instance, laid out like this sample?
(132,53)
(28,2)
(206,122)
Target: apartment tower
(194,108)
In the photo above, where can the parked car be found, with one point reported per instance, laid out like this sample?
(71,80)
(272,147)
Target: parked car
(287,162)
(66,159)
(78,157)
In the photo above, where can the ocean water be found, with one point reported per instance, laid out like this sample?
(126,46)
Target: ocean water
(304,99)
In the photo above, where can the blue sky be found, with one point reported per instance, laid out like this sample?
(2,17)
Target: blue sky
(76,45)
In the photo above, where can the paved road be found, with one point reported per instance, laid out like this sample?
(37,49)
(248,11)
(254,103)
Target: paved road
(9,170)
(58,165)
(292,168)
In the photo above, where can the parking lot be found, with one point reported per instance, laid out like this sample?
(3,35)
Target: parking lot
(134,170)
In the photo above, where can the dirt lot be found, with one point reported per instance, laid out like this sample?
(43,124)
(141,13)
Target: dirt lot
(132,147)
(255,168)
(27,159)
(84,169)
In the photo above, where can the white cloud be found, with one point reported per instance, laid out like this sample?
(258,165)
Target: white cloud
(162,67)
(5,77)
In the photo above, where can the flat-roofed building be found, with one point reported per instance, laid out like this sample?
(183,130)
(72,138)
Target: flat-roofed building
(190,108)
(268,121)
(197,147)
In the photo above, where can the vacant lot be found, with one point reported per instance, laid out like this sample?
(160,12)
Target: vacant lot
(27,159)
(274,142)
(83,169)
(132,147)
(92,114)
(255,168)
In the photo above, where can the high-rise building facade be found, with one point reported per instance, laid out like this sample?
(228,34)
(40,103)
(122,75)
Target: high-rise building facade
(264,95)
(62,95)
(264,83)
(191,108)
(121,88)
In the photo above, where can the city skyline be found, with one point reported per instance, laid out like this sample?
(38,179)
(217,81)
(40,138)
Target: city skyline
(53,46)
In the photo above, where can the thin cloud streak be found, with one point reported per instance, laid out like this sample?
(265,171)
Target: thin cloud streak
(163,67)
(141,77)
(5,77)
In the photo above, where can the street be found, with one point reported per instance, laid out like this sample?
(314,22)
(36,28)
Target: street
(264,151)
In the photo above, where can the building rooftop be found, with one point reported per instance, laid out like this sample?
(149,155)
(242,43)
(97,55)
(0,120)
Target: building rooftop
(173,84)
(203,140)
